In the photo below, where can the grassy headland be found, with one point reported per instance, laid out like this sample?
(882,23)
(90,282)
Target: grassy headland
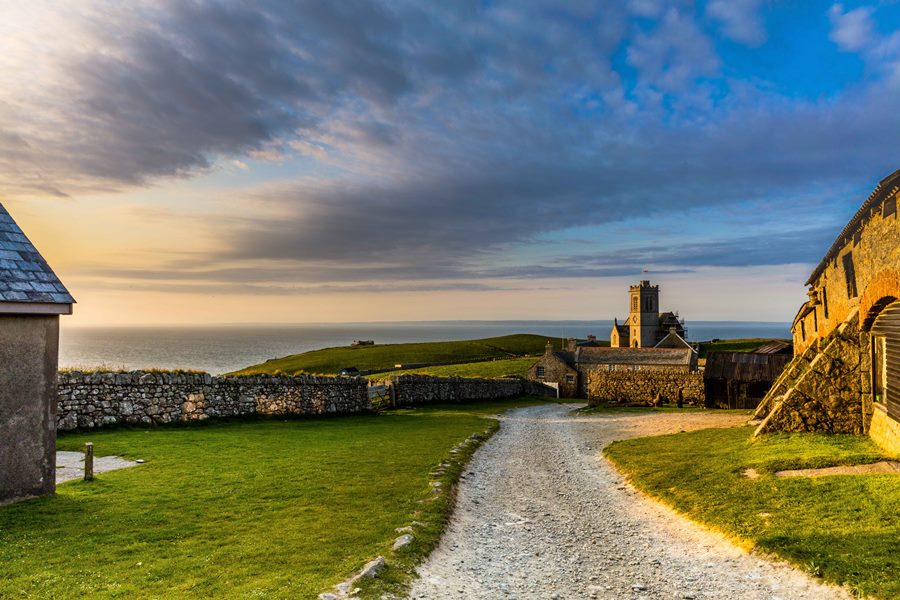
(845,529)
(269,508)
(330,361)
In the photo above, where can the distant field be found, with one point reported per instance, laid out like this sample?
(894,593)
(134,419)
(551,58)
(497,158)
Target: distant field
(741,345)
(368,358)
(487,369)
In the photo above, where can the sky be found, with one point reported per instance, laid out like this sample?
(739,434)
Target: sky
(196,162)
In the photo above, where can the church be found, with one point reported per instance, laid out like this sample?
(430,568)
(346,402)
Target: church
(645,326)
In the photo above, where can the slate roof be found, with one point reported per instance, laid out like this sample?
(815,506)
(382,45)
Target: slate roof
(745,366)
(24,274)
(635,356)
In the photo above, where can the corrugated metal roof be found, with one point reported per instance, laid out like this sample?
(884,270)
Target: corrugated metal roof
(25,277)
(634,356)
(774,347)
(745,366)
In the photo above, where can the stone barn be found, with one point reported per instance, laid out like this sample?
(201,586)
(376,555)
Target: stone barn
(845,376)
(31,300)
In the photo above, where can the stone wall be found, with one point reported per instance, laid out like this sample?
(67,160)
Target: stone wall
(97,399)
(642,387)
(824,388)
(28,350)
(87,400)
(411,390)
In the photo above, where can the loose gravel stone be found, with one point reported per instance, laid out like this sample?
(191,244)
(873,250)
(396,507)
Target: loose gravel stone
(541,514)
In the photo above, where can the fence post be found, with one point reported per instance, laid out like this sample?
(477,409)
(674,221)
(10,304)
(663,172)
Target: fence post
(89,461)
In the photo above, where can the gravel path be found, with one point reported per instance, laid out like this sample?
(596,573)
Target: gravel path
(541,514)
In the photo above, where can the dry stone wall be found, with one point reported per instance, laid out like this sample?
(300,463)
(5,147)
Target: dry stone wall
(411,390)
(642,387)
(88,400)
(98,399)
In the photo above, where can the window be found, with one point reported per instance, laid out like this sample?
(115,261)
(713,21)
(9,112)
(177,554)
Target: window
(540,372)
(850,275)
(570,379)
(878,368)
(635,303)
(802,330)
(825,302)
(648,304)
(890,207)
(815,320)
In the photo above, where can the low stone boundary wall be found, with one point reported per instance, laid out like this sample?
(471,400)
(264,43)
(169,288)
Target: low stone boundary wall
(97,399)
(87,400)
(411,390)
(642,387)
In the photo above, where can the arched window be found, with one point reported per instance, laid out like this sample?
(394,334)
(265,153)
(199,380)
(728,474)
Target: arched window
(634,304)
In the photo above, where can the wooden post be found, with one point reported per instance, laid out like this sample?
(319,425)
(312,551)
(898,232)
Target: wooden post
(89,461)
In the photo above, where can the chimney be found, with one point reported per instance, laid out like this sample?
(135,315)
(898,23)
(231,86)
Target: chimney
(548,349)
(571,344)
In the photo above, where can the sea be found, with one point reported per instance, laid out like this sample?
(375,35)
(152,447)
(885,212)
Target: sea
(225,348)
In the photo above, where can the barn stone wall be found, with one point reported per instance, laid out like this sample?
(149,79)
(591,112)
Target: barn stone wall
(642,387)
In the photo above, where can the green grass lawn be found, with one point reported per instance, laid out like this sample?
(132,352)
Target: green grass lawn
(843,528)
(486,369)
(737,345)
(366,358)
(268,509)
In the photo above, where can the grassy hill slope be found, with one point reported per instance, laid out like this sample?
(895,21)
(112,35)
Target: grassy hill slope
(738,345)
(384,356)
(487,369)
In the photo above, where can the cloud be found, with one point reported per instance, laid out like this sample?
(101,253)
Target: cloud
(441,141)
(740,20)
(853,30)
(674,54)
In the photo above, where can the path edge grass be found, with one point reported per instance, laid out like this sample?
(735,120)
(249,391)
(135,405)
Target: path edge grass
(746,544)
(436,510)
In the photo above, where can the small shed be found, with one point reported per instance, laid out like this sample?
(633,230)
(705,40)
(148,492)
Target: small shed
(31,300)
(741,379)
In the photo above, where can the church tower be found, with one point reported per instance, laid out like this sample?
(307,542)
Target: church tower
(644,317)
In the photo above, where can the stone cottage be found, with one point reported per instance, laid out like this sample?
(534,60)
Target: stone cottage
(31,300)
(645,326)
(845,376)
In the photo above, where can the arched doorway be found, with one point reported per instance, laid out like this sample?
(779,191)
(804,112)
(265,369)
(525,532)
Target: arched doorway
(885,349)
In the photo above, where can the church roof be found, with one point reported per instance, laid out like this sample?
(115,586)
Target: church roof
(673,357)
(25,277)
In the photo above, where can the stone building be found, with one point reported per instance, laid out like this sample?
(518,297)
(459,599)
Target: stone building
(572,370)
(645,326)
(31,300)
(845,376)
